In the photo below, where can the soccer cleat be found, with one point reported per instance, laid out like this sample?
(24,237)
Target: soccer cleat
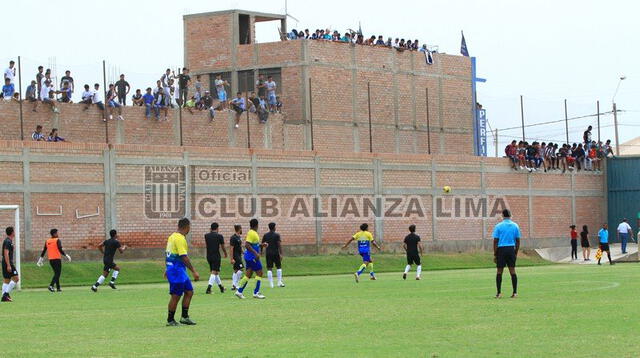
(417,278)
(357,277)
(6,298)
(208,291)
(59,290)
(499,295)
(221,288)
(515,295)
(259,296)
(50,288)
(187,321)
(172,324)
(373,278)
(112,285)
(280,284)
(94,289)
(404,276)
(239,295)
(233,288)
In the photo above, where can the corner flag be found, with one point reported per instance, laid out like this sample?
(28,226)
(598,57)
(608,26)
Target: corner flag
(463,46)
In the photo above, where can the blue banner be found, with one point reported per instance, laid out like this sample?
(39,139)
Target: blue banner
(481,143)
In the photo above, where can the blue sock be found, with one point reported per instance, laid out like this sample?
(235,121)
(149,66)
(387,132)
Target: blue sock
(243,283)
(258,282)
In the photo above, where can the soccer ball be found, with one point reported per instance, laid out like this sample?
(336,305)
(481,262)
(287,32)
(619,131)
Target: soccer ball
(446,189)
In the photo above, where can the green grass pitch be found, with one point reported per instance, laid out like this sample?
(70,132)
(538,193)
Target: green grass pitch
(562,311)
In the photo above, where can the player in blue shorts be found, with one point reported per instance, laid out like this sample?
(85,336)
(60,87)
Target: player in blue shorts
(177,262)
(364,240)
(252,261)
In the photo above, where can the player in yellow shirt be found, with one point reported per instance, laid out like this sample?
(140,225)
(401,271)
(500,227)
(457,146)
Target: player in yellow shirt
(177,262)
(252,261)
(365,240)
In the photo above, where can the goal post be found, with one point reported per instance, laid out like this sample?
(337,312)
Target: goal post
(16,227)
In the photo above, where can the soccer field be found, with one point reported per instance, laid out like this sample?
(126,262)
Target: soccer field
(562,311)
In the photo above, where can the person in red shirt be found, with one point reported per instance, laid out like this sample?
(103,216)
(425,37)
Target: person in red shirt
(574,243)
(512,153)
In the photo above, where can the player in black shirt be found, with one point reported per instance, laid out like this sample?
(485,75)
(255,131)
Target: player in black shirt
(414,250)
(236,256)
(108,249)
(9,272)
(214,242)
(274,254)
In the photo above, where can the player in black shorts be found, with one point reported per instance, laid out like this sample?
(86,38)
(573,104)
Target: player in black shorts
(9,272)
(214,242)
(414,250)
(236,256)
(108,249)
(506,243)
(274,254)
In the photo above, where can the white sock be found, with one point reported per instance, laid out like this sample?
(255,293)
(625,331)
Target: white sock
(407,268)
(212,279)
(218,280)
(114,274)
(270,276)
(11,286)
(234,279)
(101,280)
(4,287)
(279,273)
(419,270)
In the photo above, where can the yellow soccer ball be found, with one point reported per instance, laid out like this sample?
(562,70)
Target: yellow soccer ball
(446,189)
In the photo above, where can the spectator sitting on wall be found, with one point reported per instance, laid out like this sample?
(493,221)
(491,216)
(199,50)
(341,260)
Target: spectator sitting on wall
(380,41)
(190,104)
(271,93)
(423,48)
(593,158)
(606,148)
(396,43)
(314,36)
(48,95)
(67,79)
(307,35)
(360,39)
(278,105)
(238,104)
(522,155)
(87,97)
(37,134)
(346,37)
(408,45)
(207,103)
(137,98)
(65,92)
(8,89)
(148,100)
(160,104)
(511,151)
(563,152)
(415,46)
(254,103)
(389,42)
(327,35)
(31,95)
(96,98)
(112,104)
(53,136)
(571,159)
(580,157)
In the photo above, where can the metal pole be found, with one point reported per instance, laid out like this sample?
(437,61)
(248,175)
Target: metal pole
(20,97)
(180,121)
(428,122)
(369,106)
(598,108)
(246,102)
(104,99)
(311,114)
(522,116)
(566,121)
(615,124)
(496,142)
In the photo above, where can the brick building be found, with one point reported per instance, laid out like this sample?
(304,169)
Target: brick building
(327,82)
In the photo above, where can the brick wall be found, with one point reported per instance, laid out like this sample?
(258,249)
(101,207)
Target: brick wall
(86,189)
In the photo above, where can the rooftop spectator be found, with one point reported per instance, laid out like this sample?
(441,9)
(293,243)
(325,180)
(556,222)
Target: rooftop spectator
(190,104)
(10,72)
(136,99)
(112,104)
(8,89)
(198,87)
(207,103)
(48,94)
(271,93)
(65,93)
(278,105)
(32,96)
(53,136)
(511,151)
(87,97)
(380,41)
(164,79)
(161,104)
(306,33)
(67,79)
(37,134)
(261,86)
(122,89)
(586,137)
(346,37)
(39,77)
(220,89)
(184,80)
(148,100)
(238,104)
(396,43)
(96,98)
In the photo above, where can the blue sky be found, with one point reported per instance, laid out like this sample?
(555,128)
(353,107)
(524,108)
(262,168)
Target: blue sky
(546,51)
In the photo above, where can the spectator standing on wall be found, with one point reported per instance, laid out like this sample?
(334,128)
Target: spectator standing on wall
(184,80)
(586,137)
(198,94)
(31,95)
(123,88)
(37,134)
(271,93)
(261,86)
(10,72)
(164,80)
(624,233)
(222,92)
(137,98)
(67,79)
(39,77)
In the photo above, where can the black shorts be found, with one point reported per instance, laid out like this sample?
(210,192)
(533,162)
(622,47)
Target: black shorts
(506,257)
(238,265)
(584,243)
(214,263)
(273,259)
(413,259)
(604,247)
(10,273)
(108,265)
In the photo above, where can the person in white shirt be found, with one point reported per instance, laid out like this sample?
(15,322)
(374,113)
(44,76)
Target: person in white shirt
(166,86)
(271,94)
(47,93)
(10,72)
(624,232)
(96,98)
(87,97)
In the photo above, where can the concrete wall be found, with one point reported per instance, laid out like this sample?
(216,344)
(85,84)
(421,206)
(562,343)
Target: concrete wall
(59,183)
